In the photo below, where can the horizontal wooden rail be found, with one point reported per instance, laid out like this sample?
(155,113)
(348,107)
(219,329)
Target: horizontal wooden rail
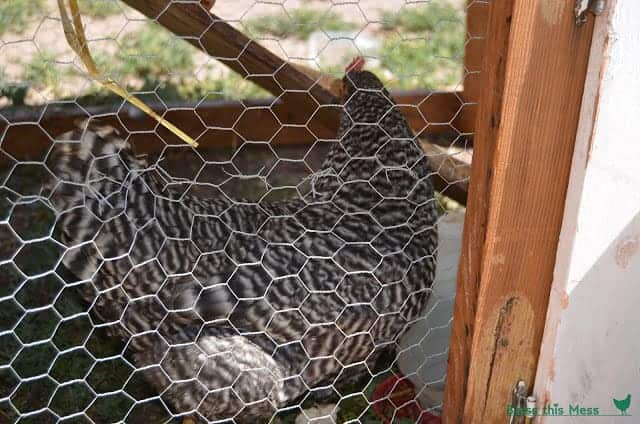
(219,123)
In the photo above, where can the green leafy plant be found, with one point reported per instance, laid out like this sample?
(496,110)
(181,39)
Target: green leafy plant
(430,51)
(152,59)
(151,52)
(230,86)
(100,8)
(299,23)
(422,63)
(16,14)
(41,70)
(428,54)
(429,17)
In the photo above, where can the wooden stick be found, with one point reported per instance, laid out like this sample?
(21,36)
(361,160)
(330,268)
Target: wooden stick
(245,56)
(214,36)
(208,4)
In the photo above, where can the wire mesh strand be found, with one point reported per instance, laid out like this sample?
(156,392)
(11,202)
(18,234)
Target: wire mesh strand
(281,273)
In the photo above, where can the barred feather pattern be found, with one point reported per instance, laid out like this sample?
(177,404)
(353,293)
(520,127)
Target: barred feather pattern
(235,309)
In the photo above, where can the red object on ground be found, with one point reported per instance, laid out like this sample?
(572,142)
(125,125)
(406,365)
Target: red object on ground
(395,398)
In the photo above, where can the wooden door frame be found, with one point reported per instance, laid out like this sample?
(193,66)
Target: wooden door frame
(532,79)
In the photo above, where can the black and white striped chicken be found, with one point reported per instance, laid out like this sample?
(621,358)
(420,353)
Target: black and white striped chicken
(235,310)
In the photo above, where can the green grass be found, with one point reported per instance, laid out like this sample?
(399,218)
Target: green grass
(100,8)
(152,52)
(425,18)
(430,51)
(41,71)
(299,23)
(423,63)
(152,59)
(16,14)
(231,86)
(14,92)
(421,47)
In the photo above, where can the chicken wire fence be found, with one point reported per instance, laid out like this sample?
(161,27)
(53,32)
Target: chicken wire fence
(259,279)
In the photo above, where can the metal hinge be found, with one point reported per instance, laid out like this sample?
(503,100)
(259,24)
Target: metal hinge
(584,6)
(523,406)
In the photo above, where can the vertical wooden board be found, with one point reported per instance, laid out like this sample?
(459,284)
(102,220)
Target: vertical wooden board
(598,261)
(543,83)
(468,282)
(477,16)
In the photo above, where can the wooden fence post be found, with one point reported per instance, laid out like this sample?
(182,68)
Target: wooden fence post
(476,17)
(532,81)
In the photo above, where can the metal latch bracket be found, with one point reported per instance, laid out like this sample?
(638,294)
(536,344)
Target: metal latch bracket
(522,405)
(583,7)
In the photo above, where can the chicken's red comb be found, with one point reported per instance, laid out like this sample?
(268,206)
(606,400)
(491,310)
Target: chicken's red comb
(356,65)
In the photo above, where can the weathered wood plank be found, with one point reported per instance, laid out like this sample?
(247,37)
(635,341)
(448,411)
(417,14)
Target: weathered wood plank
(224,123)
(476,17)
(474,233)
(524,186)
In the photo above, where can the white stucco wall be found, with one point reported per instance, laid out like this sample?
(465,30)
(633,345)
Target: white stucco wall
(591,347)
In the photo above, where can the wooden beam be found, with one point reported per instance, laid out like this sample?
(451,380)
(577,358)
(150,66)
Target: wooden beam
(315,95)
(534,71)
(451,167)
(477,15)
(474,232)
(225,123)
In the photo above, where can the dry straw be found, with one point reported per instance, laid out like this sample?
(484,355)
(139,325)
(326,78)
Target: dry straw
(74,32)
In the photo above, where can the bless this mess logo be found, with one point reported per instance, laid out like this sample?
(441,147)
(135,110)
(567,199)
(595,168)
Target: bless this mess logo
(622,406)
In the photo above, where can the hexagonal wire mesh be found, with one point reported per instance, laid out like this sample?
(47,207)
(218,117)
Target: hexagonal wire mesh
(280,272)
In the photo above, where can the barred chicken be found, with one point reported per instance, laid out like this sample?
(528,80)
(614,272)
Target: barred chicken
(233,310)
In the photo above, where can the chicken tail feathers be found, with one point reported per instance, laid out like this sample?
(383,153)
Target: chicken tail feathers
(102,195)
(95,158)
